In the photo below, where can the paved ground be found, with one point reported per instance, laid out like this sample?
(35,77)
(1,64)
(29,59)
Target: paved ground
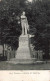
(6,66)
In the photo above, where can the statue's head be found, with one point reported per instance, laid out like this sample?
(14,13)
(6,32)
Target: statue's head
(23,13)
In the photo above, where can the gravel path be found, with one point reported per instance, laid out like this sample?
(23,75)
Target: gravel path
(7,66)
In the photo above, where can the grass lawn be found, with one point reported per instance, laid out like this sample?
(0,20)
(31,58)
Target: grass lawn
(7,66)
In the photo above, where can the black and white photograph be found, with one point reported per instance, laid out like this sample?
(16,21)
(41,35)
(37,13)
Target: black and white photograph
(24,34)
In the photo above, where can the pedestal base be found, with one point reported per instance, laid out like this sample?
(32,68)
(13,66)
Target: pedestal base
(23,55)
(22,61)
(23,51)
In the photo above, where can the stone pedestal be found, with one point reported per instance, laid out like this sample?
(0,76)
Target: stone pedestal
(23,51)
(23,55)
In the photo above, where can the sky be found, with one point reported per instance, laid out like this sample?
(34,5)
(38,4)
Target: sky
(30,0)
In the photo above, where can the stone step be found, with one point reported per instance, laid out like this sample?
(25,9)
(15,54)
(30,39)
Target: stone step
(22,61)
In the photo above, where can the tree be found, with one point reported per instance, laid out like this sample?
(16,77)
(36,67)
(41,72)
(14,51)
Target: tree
(38,17)
(9,27)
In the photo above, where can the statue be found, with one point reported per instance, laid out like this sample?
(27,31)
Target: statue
(24,24)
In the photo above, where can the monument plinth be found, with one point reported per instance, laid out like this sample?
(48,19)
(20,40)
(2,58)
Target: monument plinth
(23,55)
(23,50)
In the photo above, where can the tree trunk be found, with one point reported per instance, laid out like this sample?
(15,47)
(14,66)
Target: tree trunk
(3,50)
(47,50)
